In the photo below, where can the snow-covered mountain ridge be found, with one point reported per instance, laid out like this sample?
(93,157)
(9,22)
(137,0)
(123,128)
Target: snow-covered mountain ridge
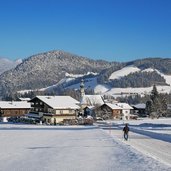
(54,70)
(46,69)
(92,83)
(6,64)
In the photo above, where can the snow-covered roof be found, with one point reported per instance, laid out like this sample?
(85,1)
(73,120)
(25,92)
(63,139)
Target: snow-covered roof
(14,105)
(140,106)
(124,105)
(90,107)
(60,102)
(24,99)
(113,106)
(92,100)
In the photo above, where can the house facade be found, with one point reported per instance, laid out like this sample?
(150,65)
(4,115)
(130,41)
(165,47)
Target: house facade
(126,110)
(13,109)
(54,109)
(140,109)
(113,110)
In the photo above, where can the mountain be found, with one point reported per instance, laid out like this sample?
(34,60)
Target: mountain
(59,70)
(6,64)
(46,69)
(136,77)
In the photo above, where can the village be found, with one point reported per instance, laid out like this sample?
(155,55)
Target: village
(65,110)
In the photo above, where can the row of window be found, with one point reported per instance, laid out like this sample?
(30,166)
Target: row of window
(51,110)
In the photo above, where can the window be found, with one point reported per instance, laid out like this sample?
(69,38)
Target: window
(61,111)
(49,110)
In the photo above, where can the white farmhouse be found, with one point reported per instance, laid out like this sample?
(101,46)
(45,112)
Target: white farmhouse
(126,110)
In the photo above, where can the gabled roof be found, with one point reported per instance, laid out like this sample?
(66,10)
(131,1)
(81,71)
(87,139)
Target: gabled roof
(140,106)
(92,100)
(59,102)
(124,106)
(14,105)
(113,106)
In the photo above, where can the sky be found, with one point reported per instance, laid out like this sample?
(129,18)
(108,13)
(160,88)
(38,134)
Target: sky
(112,30)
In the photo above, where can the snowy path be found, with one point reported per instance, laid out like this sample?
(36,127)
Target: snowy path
(159,150)
(26,148)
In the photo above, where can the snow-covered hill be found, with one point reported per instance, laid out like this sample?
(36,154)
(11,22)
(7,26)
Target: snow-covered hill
(140,90)
(46,69)
(6,64)
(58,70)
(104,89)
(123,72)
(72,81)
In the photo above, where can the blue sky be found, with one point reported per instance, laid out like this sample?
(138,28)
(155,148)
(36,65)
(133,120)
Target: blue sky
(114,30)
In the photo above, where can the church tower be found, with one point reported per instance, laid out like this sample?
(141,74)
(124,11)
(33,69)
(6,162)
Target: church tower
(82,88)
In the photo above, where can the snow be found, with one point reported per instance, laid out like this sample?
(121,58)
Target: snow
(151,137)
(113,106)
(141,90)
(79,75)
(91,83)
(124,105)
(92,100)
(133,91)
(14,104)
(85,148)
(166,77)
(60,102)
(148,70)
(123,72)
(140,105)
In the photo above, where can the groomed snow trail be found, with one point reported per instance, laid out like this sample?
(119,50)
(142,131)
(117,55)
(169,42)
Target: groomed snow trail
(157,149)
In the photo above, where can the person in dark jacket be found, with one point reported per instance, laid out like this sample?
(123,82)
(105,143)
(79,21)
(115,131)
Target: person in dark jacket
(126,130)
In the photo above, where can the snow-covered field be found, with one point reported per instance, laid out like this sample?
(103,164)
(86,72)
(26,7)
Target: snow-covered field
(89,148)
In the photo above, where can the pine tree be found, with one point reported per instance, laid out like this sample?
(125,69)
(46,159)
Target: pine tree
(154,93)
(157,106)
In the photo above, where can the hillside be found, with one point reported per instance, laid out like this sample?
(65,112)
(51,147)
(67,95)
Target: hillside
(58,70)
(46,69)
(122,75)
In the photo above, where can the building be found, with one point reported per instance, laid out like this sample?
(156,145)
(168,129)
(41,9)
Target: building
(140,109)
(88,103)
(126,110)
(89,111)
(54,109)
(113,110)
(92,100)
(13,109)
